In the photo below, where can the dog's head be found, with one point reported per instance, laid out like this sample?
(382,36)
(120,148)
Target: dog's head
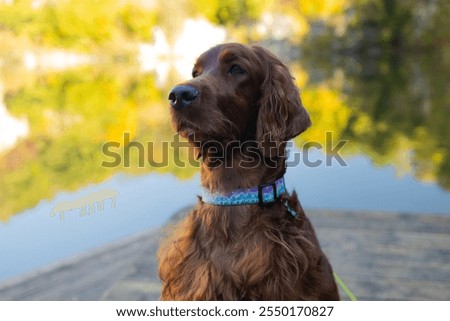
(238,93)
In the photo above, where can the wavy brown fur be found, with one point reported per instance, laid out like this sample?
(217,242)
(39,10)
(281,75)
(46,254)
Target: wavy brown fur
(246,252)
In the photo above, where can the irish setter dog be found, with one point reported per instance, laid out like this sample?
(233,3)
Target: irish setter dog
(238,111)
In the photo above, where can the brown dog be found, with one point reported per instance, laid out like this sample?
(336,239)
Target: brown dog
(247,239)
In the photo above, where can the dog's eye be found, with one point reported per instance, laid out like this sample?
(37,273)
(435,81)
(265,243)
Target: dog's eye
(236,70)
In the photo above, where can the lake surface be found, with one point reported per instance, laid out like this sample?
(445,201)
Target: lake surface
(35,238)
(59,109)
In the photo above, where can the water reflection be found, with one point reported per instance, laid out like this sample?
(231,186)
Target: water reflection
(11,128)
(35,238)
(359,75)
(393,109)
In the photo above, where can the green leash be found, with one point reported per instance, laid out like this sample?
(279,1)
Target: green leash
(344,287)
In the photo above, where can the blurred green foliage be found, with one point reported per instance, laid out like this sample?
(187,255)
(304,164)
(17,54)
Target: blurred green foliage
(233,12)
(77,24)
(393,63)
(374,72)
(71,115)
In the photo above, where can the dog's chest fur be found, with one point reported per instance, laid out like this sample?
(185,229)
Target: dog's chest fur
(240,253)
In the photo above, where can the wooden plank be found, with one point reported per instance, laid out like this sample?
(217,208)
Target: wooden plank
(380,256)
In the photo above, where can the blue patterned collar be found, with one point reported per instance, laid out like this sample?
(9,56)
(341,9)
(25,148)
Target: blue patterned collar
(261,194)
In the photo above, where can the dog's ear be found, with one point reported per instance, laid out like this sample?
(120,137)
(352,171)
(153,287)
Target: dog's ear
(281,115)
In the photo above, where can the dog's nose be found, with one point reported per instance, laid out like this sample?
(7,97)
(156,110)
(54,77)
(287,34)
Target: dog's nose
(182,96)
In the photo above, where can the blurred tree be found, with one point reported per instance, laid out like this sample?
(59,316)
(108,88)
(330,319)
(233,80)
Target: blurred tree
(16,16)
(381,82)
(71,115)
(80,24)
(401,106)
(239,11)
(137,22)
(323,9)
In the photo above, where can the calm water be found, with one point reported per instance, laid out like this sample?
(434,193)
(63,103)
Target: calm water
(34,238)
(393,111)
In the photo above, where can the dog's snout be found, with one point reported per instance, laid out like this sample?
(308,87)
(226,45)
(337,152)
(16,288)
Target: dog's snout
(182,96)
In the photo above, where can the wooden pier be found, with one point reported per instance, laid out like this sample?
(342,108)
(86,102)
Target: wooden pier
(379,256)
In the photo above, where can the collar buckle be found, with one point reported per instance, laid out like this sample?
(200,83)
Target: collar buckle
(261,193)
